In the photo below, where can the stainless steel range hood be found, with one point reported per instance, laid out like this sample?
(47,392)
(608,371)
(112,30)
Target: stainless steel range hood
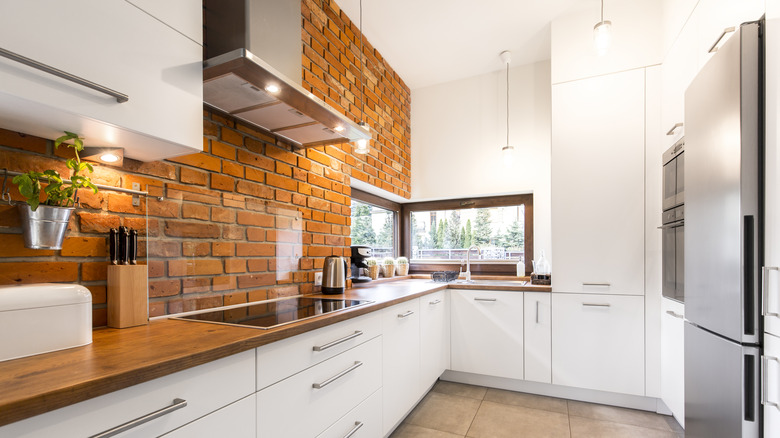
(235,83)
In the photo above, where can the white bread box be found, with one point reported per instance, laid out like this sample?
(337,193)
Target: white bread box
(39,318)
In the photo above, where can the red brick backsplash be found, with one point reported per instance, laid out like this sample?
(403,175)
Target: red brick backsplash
(247,219)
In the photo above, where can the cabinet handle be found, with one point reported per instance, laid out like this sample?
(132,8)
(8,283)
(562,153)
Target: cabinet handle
(723,34)
(358,425)
(595,305)
(537,312)
(120,97)
(674,128)
(337,341)
(484,299)
(357,365)
(596,284)
(765,290)
(177,404)
(435,302)
(405,314)
(675,314)
(765,364)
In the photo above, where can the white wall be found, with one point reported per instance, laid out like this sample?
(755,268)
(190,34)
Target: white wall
(636,42)
(459,128)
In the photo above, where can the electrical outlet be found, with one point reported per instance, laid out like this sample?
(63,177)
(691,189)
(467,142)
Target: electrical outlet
(318,278)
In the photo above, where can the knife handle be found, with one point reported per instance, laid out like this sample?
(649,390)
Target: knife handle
(113,243)
(133,249)
(123,245)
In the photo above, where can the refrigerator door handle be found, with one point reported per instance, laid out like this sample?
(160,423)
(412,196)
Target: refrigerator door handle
(764,383)
(765,308)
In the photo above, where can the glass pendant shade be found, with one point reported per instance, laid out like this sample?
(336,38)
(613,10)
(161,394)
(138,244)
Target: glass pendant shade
(602,36)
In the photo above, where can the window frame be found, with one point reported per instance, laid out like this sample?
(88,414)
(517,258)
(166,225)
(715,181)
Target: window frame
(484,268)
(377,201)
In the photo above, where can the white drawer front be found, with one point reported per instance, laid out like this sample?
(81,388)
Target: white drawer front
(365,420)
(206,388)
(235,421)
(295,408)
(279,360)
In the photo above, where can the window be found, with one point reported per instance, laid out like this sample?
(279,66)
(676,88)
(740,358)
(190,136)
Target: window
(440,233)
(375,224)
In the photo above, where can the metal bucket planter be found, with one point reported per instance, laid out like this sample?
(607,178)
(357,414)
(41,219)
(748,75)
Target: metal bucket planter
(45,227)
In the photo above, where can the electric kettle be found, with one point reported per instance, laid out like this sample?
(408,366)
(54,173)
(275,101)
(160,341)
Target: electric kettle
(334,275)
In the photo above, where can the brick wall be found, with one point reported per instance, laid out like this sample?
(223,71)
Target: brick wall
(247,219)
(332,71)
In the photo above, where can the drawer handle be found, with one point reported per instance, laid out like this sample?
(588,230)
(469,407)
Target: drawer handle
(764,398)
(537,312)
(358,425)
(484,299)
(177,404)
(337,341)
(765,290)
(596,305)
(675,314)
(725,32)
(435,302)
(120,97)
(596,284)
(357,365)
(405,314)
(674,128)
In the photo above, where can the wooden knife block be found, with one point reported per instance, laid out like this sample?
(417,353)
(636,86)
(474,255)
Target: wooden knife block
(128,302)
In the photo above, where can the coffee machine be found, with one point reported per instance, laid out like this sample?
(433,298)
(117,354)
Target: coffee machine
(359,255)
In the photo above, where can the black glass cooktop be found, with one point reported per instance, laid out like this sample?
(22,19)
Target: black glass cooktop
(270,314)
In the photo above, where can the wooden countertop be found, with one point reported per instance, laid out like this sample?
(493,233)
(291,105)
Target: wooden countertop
(119,358)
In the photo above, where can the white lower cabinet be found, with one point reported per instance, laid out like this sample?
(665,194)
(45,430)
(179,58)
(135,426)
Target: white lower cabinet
(771,385)
(598,342)
(236,420)
(434,338)
(487,332)
(205,388)
(401,361)
(309,402)
(365,421)
(673,358)
(538,337)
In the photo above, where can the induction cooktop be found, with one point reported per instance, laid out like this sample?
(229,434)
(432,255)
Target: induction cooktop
(274,313)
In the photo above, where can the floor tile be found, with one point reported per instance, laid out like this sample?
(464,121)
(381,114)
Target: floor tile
(527,400)
(618,415)
(444,412)
(411,431)
(590,428)
(496,420)
(461,389)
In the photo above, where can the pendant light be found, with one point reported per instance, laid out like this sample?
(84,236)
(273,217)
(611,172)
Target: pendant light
(602,34)
(362,144)
(508,151)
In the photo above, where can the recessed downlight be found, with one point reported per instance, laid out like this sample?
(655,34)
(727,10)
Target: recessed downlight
(338,128)
(109,158)
(272,88)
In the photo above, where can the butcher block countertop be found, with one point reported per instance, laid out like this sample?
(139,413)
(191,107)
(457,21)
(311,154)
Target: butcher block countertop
(119,358)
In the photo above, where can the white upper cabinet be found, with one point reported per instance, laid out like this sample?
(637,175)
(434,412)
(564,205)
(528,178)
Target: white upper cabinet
(118,46)
(678,70)
(714,16)
(598,184)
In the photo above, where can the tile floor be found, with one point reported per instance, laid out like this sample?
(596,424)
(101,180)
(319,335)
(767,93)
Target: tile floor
(454,410)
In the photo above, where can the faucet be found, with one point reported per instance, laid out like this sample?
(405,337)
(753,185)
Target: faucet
(468,261)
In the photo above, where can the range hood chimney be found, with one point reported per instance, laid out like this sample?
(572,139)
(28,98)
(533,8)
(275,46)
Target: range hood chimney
(253,51)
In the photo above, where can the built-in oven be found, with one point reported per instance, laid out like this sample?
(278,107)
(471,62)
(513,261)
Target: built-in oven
(673,223)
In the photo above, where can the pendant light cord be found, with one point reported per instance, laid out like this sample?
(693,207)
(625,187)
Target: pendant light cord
(507,103)
(602,11)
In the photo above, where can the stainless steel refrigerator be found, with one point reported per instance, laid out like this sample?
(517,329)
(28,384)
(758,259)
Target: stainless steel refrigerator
(724,240)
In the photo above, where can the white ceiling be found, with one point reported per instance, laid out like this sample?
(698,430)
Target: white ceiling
(429,42)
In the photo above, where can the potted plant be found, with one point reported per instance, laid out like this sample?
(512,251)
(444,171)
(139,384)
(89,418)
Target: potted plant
(388,267)
(44,222)
(373,268)
(402,266)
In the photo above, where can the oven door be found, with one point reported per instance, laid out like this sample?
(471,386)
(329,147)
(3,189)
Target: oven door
(670,184)
(672,257)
